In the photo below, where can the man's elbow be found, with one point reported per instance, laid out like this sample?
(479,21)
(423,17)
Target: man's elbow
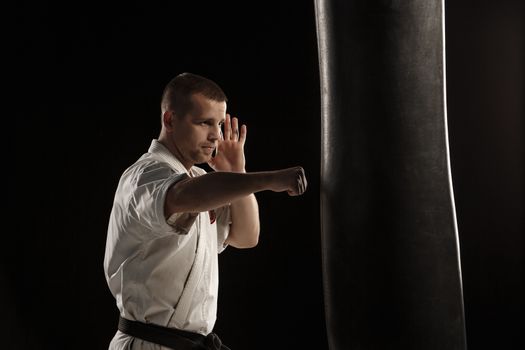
(252,243)
(246,240)
(254,237)
(248,244)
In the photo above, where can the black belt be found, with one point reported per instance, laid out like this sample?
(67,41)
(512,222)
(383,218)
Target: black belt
(170,337)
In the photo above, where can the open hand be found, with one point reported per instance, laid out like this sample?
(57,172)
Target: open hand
(230,149)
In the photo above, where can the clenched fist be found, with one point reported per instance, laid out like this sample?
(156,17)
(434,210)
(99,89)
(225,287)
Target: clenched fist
(292,180)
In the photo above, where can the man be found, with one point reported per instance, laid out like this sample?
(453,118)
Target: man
(170,219)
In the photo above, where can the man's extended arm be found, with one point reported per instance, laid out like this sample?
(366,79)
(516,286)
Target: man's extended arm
(213,190)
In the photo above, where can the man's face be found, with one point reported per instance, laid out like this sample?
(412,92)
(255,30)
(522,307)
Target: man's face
(196,134)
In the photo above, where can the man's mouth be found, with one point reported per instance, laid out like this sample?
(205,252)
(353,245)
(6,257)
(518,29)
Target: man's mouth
(209,148)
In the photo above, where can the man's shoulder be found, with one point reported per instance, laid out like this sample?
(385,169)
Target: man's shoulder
(148,168)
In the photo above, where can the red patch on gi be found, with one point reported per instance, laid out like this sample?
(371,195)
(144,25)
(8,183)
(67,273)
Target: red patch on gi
(213,216)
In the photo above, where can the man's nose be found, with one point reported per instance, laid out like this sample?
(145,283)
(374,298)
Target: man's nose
(215,133)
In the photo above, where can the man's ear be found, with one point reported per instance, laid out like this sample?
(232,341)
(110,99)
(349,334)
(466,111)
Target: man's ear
(167,120)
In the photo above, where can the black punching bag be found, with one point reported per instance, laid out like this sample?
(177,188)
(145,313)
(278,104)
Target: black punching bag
(392,277)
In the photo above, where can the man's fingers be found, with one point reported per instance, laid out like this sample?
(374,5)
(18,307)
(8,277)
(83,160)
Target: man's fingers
(227,128)
(298,187)
(244,131)
(302,186)
(235,129)
(231,129)
(301,182)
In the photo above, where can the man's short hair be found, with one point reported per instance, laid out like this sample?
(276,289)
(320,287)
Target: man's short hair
(178,91)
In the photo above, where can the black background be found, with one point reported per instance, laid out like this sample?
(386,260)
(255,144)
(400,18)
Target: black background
(86,93)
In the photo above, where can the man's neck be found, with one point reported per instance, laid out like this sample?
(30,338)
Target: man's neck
(174,150)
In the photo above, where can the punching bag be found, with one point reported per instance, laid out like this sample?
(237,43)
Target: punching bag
(391,266)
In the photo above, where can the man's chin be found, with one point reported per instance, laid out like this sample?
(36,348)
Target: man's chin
(204,159)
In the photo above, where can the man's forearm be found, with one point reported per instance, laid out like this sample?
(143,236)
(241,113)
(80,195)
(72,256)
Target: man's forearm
(215,189)
(244,231)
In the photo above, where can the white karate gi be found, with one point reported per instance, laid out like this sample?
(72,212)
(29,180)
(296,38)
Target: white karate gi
(162,271)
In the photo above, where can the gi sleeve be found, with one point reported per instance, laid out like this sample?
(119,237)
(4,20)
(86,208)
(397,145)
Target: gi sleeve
(146,205)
